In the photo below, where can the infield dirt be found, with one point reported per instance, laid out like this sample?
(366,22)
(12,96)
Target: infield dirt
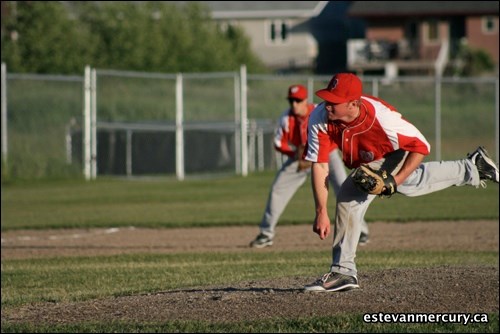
(457,289)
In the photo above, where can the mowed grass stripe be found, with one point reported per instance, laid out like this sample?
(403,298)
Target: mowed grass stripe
(63,279)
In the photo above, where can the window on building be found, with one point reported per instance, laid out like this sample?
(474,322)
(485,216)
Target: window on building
(284,31)
(278,32)
(432,31)
(489,25)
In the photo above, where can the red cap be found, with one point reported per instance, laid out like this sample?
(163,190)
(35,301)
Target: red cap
(297,92)
(343,87)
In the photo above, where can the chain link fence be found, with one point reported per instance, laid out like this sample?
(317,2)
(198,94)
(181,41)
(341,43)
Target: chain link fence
(131,124)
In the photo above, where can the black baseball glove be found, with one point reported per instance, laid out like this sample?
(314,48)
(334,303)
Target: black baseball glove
(375,182)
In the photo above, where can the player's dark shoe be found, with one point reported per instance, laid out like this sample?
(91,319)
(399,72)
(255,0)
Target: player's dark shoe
(261,241)
(363,239)
(333,282)
(487,169)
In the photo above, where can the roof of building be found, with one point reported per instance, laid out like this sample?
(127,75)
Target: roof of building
(418,8)
(243,9)
(268,9)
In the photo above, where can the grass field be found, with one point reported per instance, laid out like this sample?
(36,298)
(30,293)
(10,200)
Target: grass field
(62,280)
(216,202)
(230,201)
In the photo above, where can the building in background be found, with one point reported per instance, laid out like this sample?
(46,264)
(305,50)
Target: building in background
(417,37)
(324,37)
(279,31)
(293,36)
(421,36)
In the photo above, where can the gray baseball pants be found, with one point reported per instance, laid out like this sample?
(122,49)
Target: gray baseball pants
(286,184)
(352,203)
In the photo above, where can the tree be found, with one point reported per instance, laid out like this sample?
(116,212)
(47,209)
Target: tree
(39,37)
(164,37)
(152,36)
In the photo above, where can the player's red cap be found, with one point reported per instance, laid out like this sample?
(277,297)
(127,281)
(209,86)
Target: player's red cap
(297,92)
(343,87)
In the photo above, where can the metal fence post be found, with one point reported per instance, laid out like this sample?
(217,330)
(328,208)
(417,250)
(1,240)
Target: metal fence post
(179,128)
(93,123)
(310,88)
(437,108)
(4,114)
(260,149)
(244,121)
(128,154)
(237,118)
(86,126)
(497,111)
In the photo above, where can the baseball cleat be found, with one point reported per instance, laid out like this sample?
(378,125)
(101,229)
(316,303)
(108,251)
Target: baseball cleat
(363,239)
(261,241)
(487,169)
(333,282)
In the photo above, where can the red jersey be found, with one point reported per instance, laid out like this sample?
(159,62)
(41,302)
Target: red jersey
(292,131)
(378,130)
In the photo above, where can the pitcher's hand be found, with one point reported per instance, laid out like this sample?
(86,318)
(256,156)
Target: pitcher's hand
(321,226)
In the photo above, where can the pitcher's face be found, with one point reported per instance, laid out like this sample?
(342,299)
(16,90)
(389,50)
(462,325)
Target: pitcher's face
(341,111)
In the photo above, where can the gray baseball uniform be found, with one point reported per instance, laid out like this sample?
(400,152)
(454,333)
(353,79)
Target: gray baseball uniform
(370,131)
(377,120)
(288,180)
(353,203)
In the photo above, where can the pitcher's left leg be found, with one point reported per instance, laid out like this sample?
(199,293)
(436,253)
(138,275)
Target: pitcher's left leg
(433,176)
(351,208)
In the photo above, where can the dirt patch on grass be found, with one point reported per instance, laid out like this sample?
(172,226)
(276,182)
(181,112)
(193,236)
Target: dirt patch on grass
(471,289)
(451,235)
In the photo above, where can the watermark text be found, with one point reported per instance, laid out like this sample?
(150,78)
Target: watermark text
(456,318)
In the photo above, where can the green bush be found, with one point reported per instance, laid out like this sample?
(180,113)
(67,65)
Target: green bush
(472,62)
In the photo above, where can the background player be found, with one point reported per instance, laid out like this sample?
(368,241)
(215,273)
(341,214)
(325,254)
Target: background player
(290,139)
